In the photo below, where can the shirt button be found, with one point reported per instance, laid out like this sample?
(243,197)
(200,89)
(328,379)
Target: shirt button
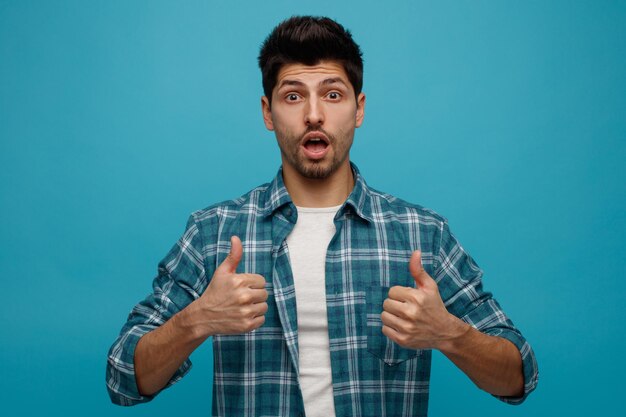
(288,211)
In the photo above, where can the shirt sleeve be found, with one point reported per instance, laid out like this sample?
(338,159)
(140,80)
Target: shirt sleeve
(181,279)
(460,284)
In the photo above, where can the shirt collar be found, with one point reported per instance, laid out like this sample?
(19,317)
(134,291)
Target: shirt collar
(359,199)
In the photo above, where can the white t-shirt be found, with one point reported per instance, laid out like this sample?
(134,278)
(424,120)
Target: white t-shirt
(307,244)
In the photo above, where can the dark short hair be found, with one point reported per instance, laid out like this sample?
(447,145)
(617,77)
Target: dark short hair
(308,40)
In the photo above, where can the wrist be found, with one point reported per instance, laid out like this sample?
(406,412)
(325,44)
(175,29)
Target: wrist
(456,332)
(189,322)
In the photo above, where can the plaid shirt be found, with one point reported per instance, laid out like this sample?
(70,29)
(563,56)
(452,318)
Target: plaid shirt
(256,374)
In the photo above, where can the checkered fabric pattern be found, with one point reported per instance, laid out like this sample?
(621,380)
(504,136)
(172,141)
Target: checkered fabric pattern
(256,374)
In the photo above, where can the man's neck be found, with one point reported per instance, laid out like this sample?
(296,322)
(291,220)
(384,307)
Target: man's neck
(327,192)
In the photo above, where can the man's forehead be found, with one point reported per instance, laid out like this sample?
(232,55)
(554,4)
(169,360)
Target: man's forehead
(312,73)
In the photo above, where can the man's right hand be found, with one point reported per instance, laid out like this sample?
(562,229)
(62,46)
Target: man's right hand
(232,303)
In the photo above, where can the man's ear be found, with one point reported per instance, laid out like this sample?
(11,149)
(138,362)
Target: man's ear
(267,113)
(360,109)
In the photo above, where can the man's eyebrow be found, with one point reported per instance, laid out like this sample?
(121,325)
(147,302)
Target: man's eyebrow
(334,80)
(290,82)
(327,81)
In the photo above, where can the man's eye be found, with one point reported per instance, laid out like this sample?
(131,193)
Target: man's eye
(333,95)
(292,97)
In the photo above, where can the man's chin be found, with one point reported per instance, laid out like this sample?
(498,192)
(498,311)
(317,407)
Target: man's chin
(316,174)
(315,170)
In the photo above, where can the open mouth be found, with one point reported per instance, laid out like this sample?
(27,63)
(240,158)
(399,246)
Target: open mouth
(315,144)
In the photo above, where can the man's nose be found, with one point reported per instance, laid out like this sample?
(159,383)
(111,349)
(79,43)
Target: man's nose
(314,114)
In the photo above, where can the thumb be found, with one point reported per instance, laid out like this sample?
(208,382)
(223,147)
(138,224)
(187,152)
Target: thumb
(232,260)
(421,277)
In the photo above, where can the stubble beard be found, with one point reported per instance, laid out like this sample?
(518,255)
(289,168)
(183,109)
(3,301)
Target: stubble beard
(289,144)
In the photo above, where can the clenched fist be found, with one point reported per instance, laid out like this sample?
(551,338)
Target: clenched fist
(416,318)
(232,303)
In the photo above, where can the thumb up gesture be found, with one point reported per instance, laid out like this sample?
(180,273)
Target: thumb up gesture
(232,303)
(416,318)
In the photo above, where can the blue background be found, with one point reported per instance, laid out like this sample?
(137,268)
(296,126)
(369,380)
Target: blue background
(118,119)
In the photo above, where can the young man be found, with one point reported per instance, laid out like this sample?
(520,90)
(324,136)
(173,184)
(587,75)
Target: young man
(322,295)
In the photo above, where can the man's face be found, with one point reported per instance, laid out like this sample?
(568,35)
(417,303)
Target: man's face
(314,113)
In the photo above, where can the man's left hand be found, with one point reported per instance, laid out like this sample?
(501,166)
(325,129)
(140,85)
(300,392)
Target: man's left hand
(416,318)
